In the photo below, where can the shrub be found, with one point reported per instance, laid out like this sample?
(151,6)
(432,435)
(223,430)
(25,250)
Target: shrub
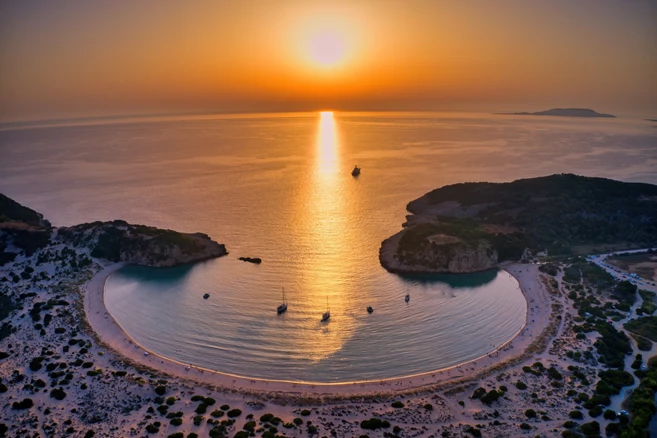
(233,413)
(57,394)
(171,400)
(473,431)
(160,390)
(576,415)
(520,385)
(192,435)
(209,401)
(592,428)
(266,418)
(176,435)
(217,413)
(26,403)
(554,373)
(428,407)
(152,428)
(397,404)
(374,424)
(595,412)
(200,409)
(196,398)
(490,396)
(224,407)
(35,364)
(525,426)
(610,415)
(298,421)
(176,421)
(569,424)
(478,393)
(530,413)
(198,420)
(305,412)
(250,426)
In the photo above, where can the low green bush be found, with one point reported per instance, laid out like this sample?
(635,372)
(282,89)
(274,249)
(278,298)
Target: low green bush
(374,424)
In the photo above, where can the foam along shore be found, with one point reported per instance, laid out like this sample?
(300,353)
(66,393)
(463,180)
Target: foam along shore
(113,336)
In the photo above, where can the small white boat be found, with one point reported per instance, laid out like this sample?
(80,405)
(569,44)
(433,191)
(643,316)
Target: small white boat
(356,171)
(283,307)
(327,314)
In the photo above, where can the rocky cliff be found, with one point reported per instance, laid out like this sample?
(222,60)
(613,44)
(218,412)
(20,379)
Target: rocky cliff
(140,244)
(436,257)
(424,248)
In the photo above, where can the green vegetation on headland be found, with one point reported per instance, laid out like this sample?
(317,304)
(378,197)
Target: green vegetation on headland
(24,230)
(478,225)
(645,326)
(120,241)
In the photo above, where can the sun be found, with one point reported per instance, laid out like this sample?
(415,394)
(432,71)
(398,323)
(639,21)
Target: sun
(326,48)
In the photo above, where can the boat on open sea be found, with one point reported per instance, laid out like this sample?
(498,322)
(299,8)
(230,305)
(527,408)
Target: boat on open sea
(283,307)
(356,171)
(407,298)
(206,296)
(326,314)
(370,309)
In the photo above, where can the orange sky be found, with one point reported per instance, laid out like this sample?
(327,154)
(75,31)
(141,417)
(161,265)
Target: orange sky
(79,58)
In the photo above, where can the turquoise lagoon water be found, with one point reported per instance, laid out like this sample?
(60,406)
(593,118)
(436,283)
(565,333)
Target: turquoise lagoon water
(279,187)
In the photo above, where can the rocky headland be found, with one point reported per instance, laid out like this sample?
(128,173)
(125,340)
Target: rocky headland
(24,231)
(472,227)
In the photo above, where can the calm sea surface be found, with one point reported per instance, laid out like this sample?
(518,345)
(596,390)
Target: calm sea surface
(279,187)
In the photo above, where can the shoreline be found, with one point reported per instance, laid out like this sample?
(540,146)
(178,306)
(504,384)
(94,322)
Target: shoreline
(115,338)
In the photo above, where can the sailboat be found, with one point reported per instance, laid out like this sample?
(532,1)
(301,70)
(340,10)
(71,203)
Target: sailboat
(326,314)
(283,307)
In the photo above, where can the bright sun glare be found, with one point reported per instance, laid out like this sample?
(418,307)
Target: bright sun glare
(327,48)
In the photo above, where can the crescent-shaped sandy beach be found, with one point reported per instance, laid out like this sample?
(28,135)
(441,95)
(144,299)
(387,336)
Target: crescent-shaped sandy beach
(113,336)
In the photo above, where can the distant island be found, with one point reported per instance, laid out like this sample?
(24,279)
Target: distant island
(474,226)
(23,231)
(565,112)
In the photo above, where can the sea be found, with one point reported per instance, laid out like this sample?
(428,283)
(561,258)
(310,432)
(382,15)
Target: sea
(279,187)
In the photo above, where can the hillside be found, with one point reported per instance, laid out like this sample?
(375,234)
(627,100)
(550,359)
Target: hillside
(119,241)
(24,231)
(473,226)
(21,230)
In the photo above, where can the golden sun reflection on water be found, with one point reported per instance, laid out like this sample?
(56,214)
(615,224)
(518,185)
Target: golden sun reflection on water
(326,222)
(327,144)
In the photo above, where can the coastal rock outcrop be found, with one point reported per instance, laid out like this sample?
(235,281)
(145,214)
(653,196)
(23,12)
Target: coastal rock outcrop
(22,230)
(434,255)
(120,241)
